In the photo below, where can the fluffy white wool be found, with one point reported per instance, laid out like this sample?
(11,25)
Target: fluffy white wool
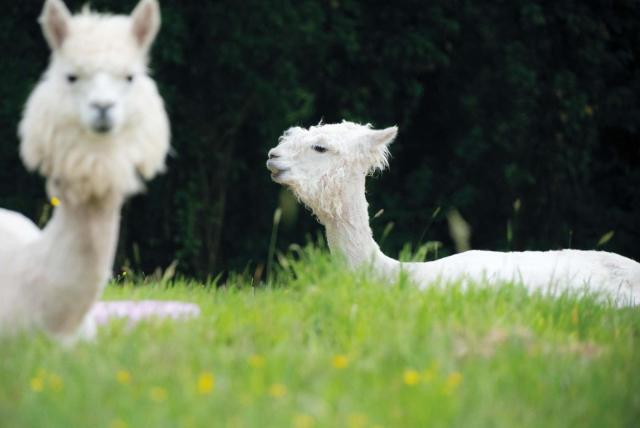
(95,127)
(365,151)
(56,142)
(331,182)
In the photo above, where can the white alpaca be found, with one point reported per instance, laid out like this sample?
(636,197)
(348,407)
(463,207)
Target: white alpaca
(325,166)
(95,127)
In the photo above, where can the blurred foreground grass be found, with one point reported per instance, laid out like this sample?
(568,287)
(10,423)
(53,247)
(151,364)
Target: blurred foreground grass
(323,347)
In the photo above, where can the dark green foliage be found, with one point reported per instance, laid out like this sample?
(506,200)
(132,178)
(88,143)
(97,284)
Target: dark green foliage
(535,102)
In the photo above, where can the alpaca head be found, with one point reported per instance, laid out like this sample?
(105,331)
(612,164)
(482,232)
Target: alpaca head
(96,116)
(321,164)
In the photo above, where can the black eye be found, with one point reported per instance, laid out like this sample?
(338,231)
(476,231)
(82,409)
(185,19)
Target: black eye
(71,78)
(129,78)
(319,149)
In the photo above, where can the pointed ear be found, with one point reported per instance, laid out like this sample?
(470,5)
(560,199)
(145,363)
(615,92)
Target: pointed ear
(383,136)
(377,148)
(54,20)
(146,22)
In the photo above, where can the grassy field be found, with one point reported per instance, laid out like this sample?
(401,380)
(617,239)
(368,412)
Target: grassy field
(323,347)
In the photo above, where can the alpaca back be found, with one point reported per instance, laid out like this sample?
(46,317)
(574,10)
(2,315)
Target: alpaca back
(553,271)
(15,230)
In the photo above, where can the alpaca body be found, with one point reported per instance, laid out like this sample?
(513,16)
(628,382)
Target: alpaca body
(61,272)
(326,167)
(94,127)
(550,271)
(15,230)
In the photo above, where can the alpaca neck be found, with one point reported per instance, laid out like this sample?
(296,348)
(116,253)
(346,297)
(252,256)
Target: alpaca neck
(349,234)
(75,254)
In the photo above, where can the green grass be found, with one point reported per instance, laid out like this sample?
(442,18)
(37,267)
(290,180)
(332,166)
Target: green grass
(323,347)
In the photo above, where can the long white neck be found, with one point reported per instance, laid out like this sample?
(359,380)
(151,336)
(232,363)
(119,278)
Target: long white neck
(74,257)
(350,236)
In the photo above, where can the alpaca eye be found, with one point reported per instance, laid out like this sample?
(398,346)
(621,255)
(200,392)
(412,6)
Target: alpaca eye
(129,78)
(319,149)
(72,78)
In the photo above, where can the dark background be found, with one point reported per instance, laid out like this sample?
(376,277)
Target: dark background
(497,102)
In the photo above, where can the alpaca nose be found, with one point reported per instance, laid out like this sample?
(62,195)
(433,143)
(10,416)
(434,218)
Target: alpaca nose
(103,122)
(273,154)
(102,107)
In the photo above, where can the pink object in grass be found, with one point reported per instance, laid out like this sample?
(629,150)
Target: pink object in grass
(138,310)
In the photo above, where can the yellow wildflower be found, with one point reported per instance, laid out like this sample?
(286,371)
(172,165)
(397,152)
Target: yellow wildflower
(118,423)
(588,110)
(410,377)
(37,384)
(55,201)
(357,420)
(206,383)
(256,361)
(453,381)
(158,394)
(340,361)
(55,382)
(277,390)
(302,421)
(123,377)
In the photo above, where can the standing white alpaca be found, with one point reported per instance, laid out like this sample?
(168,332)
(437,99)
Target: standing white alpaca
(95,127)
(325,166)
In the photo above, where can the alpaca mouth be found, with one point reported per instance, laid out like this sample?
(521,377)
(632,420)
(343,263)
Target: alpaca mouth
(102,126)
(276,171)
(277,175)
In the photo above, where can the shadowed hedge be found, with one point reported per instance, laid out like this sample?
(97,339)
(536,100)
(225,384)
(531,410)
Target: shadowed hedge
(522,115)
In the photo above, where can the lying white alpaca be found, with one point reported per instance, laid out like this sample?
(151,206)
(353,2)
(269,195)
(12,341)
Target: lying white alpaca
(94,126)
(326,166)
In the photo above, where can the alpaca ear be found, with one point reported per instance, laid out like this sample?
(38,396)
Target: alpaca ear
(54,20)
(383,136)
(378,142)
(146,22)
